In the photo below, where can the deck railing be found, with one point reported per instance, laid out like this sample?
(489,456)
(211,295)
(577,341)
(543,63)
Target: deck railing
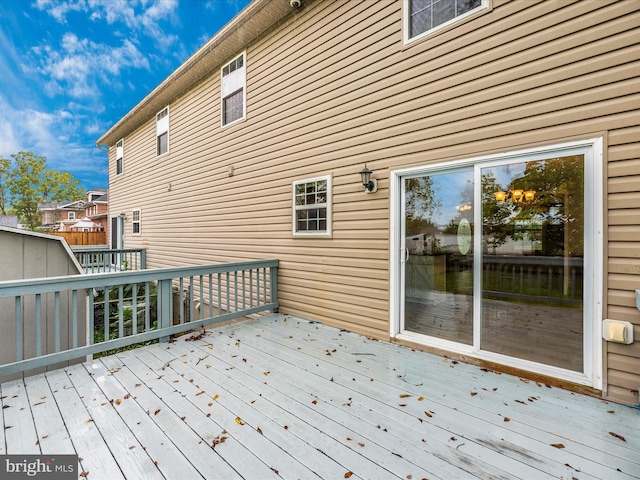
(111,260)
(535,278)
(59,319)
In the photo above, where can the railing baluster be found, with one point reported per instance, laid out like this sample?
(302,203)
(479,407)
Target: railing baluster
(57,320)
(38,324)
(134,308)
(19,339)
(147,307)
(74,318)
(181,299)
(120,311)
(244,292)
(192,301)
(235,290)
(228,303)
(210,295)
(106,314)
(201,316)
(219,294)
(251,288)
(92,318)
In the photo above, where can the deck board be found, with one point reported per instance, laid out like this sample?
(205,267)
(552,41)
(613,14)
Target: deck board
(282,397)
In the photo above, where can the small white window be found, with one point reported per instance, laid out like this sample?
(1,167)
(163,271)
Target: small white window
(119,157)
(312,206)
(233,90)
(135,221)
(162,132)
(71,215)
(423,17)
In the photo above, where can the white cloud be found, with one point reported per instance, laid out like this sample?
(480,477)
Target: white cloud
(51,135)
(80,66)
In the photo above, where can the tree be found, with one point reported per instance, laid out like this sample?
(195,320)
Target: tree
(25,181)
(420,204)
(4,192)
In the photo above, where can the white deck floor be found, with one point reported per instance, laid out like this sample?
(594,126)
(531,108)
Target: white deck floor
(281,397)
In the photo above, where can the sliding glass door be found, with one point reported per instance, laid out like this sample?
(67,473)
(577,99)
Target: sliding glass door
(492,259)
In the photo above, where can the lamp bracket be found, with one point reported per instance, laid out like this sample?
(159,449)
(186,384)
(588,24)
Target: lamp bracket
(372,187)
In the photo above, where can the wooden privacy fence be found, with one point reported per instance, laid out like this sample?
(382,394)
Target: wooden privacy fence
(83,238)
(47,315)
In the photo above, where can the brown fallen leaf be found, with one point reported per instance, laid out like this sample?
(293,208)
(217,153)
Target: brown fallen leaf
(557,445)
(85,474)
(348,474)
(156,412)
(473,394)
(315,402)
(405,395)
(428,414)
(199,393)
(259,430)
(507,419)
(266,373)
(216,396)
(611,411)
(239,421)
(420,399)
(402,404)
(617,436)
(127,396)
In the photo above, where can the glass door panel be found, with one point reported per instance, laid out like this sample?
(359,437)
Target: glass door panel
(532,261)
(438,246)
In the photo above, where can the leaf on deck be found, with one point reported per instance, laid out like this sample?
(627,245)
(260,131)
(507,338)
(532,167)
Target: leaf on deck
(420,399)
(617,436)
(557,445)
(85,474)
(428,414)
(239,421)
(507,419)
(156,412)
(216,396)
(199,393)
(473,394)
(348,474)
(405,395)
(266,373)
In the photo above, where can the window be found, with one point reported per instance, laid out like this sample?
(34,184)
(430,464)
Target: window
(425,16)
(119,157)
(312,206)
(162,132)
(71,215)
(135,221)
(233,87)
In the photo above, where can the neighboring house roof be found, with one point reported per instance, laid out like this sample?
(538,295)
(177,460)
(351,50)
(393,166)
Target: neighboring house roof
(250,23)
(9,221)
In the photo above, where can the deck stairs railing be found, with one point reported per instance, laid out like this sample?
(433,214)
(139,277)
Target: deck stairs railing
(62,319)
(111,260)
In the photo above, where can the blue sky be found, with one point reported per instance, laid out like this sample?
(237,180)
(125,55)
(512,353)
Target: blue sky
(70,69)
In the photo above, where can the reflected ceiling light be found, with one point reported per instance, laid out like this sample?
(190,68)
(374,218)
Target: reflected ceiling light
(517,195)
(370,184)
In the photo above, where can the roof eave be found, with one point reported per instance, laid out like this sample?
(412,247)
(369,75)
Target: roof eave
(251,22)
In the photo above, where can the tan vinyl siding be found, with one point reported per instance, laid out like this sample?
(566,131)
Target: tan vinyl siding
(333,87)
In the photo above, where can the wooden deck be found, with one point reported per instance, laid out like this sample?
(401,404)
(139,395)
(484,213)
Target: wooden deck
(282,397)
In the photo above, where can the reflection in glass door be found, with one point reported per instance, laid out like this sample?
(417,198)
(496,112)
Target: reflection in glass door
(493,260)
(532,261)
(438,247)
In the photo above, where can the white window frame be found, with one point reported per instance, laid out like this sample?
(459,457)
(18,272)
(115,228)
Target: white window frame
(406,20)
(162,127)
(71,215)
(120,156)
(327,205)
(135,222)
(230,84)
(593,256)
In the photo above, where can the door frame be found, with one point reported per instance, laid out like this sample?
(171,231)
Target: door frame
(593,257)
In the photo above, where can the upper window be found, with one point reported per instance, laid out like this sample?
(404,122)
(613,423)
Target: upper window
(162,132)
(135,221)
(71,215)
(425,16)
(233,90)
(312,206)
(119,157)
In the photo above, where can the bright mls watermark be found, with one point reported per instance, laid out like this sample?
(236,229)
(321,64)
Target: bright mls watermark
(49,467)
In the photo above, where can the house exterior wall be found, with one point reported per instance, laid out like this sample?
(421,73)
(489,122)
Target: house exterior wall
(334,87)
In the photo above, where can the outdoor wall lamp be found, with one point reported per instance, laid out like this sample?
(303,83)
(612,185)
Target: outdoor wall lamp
(370,184)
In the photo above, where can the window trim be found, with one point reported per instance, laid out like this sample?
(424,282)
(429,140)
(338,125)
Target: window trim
(120,156)
(485,5)
(134,221)
(314,233)
(227,91)
(71,215)
(159,133)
